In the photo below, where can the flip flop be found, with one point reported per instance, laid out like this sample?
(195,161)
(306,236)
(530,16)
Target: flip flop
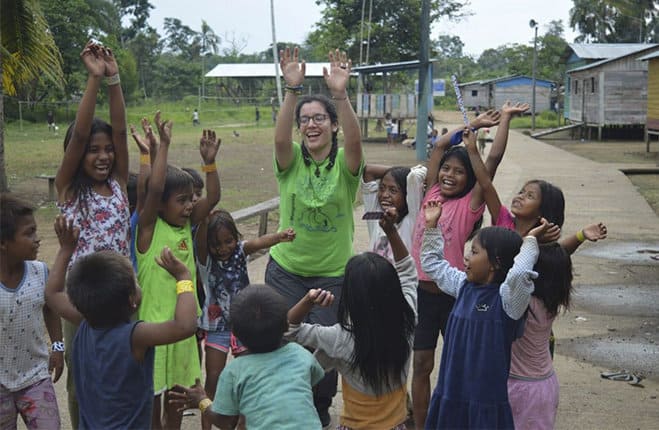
(614,376)
(635,381)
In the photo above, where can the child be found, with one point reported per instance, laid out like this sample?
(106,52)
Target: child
(492,295)
(113,356)
(450,178)
(399,189)
(270,386)
(195,118)
(197,183)
(222,263)
(25,384)
(166,220)
(91,181)
(371,344)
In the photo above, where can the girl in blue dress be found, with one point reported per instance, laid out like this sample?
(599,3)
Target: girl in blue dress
(492,295)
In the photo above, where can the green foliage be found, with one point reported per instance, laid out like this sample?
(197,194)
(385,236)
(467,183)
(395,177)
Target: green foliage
(546,119)
(615,21)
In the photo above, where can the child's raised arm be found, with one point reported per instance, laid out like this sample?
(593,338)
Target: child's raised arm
(148,147)
(149,213)
(508,111)
(592,232)
(75,149)
(337,81)
(293,73)
(56,297)
(373,172)
(117,118)
(195,397)
(482,176)
(184,323)
(388,225)
(209,144)
(315,296)
(268,240)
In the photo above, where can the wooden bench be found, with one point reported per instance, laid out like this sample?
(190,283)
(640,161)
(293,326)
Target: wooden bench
(261,209)
(51,185)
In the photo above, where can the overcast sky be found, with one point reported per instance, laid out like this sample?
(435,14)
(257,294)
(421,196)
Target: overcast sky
(493,23)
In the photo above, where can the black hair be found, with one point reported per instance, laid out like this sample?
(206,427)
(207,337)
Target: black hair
(552,202)
(502,245)
(460,153)
(197,181)
(218,219)
(553,286)
(374,311)
(12,208)
(334,119)
(131,190)
(100,286)
(259,318)
(82,184)
(175,179)
(400,177)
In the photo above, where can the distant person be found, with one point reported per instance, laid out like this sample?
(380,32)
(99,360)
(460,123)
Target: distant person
(50,119)
(482,137)
(195,118)
(389,127)
(257,115)
(274,114)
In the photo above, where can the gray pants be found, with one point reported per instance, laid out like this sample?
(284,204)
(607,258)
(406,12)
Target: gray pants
(293,288)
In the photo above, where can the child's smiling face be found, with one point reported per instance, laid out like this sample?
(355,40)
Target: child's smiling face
(452,177)
(99,157)
(390,194)
(223,245)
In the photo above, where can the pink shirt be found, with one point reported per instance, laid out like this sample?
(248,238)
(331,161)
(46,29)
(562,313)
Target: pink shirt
(530,358)
(457,221)
(505,219)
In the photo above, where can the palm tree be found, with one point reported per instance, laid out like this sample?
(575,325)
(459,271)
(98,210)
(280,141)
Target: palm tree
(209,43)
(27,53)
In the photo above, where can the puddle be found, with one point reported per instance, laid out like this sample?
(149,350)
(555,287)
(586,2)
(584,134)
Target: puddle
(626,300)
(639,252)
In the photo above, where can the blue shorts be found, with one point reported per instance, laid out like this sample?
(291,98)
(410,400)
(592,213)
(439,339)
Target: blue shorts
(224,341)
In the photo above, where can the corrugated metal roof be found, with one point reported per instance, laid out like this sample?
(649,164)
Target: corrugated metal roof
(502,79)
(648,47)
(649,56)
(598,51)
(259,70)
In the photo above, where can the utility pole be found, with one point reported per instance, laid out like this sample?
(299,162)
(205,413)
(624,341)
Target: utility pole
(424,83)
(275,54)
(533,24)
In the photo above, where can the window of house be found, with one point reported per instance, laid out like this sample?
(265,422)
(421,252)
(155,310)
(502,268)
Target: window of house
(576,87)
(592,85)
(474,93)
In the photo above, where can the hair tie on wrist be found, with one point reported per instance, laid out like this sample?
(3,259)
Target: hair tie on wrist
(340,98)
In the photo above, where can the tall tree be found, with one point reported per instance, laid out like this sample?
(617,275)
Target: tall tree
(615,20)
(27,53)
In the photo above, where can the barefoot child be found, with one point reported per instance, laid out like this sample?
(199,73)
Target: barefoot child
(27,361)
(113,356)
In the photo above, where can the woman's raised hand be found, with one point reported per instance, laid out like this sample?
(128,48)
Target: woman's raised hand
(291,68)
(339,74)
(91,58)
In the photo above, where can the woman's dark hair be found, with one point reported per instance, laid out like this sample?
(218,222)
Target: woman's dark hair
(552,202)
(259,318)
(131,190)
(81,184)
(460,153)
(12,209)
(334,119)
(100,286)
(175,179)
(502,245)
(553,286)
(374,311)
(197,181)
(218,219)
(400,177)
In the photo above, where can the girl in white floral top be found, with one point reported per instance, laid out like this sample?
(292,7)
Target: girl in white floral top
(91,181)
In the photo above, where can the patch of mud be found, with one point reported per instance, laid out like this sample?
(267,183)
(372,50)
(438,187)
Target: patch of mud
(638,252)
(625,300)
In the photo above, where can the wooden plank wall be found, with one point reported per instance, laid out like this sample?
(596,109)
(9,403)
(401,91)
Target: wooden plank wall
(653,94)
(474,101)
(524,94)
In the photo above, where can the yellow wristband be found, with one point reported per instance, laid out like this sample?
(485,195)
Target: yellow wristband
(145,159)
(580,236)
(204,404)
(184,287)
(209,168)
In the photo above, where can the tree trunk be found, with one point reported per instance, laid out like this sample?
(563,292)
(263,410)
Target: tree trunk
(4,186)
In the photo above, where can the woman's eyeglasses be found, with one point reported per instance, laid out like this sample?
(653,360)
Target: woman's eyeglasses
(318,118)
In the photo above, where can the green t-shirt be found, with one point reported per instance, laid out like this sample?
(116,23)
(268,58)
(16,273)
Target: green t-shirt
(176,363)
(272,390)
(320,209)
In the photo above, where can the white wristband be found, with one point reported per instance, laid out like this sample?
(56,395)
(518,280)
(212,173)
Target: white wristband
(57,346)
(113,80)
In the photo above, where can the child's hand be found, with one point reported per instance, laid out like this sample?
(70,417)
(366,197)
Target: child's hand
(388,221)
(510,109)
(66,233)
(287,235)
(469,138)
(339,73)
(291,69)
(552,234)
(187,398)
(111,67)
(317,296)
(56,364)
(542,228)
(595,232)
(433,210)
(164,129)
(93,62)
(173,265)
(209,144)
(486,119)
(142,145)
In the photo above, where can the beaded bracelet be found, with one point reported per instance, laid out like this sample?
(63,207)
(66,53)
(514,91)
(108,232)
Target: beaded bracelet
(113,80)
(57,346)
(295,89)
